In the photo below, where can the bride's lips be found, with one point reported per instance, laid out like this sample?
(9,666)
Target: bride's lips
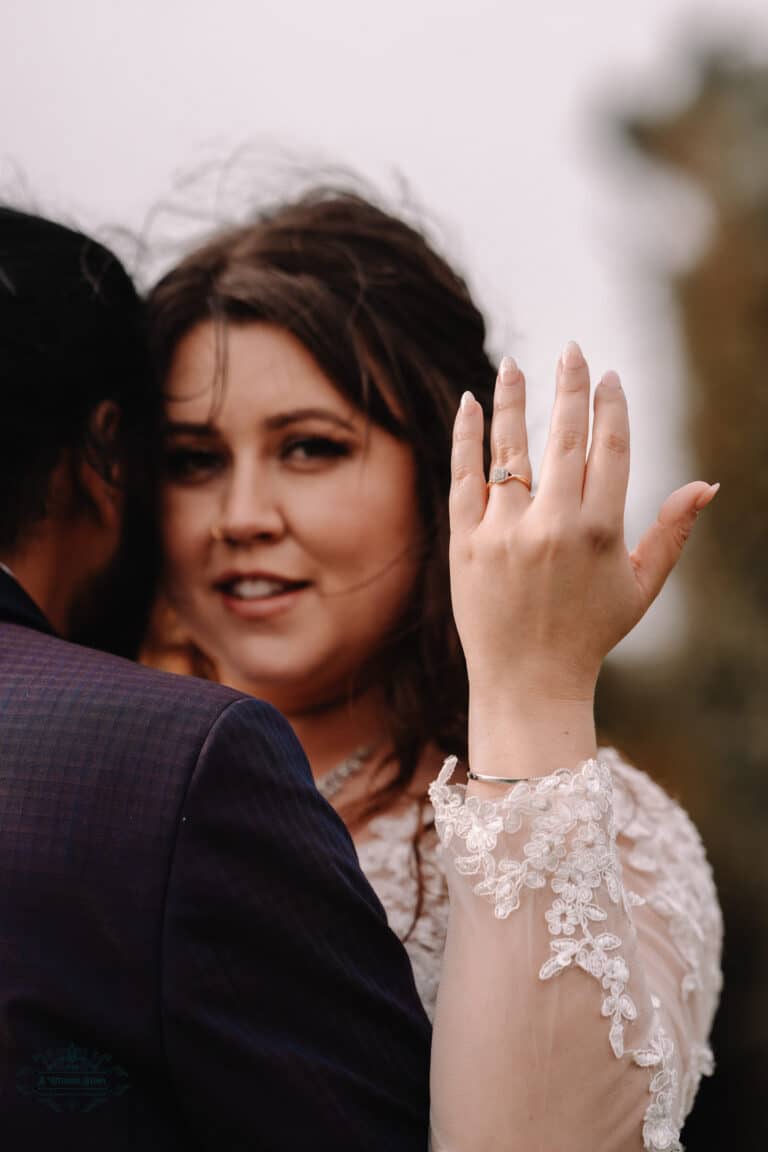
(258,595)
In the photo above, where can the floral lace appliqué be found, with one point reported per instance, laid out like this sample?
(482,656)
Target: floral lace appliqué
(568,846)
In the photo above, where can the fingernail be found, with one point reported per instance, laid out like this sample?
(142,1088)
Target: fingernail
(466,400)
(508,370)
(572,356)
(707,497)
(611,380)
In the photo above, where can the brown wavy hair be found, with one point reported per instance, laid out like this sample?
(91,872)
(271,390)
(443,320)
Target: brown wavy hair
(395,329)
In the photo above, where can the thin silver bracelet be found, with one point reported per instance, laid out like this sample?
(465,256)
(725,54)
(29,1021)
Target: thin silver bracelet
(496,779)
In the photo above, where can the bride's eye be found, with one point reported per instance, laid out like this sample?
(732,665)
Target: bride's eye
(188,465)
(308,449)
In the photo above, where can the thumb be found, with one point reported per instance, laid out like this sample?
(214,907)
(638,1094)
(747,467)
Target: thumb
(662,545)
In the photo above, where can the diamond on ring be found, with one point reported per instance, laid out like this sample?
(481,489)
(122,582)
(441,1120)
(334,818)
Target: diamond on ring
(501,475)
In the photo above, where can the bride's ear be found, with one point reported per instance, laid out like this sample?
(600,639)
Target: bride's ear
(101,469)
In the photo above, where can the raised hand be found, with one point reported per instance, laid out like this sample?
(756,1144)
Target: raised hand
(543,587)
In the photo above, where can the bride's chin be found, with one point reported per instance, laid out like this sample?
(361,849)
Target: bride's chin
(289,693)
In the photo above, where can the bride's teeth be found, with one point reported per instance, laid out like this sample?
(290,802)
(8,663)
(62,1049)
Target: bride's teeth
(255,589)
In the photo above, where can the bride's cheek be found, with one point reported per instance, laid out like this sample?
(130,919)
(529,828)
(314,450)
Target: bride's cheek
(185,538)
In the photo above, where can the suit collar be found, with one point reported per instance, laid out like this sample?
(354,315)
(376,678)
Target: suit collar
(16,607)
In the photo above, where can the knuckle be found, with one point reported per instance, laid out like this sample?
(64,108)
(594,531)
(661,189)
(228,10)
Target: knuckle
(495,548)
(509,444)
(549,540)
(681,532)
(615,443)
(676,530)
(462,471)
(601,537)
(574,381)
(569,440)
(509,398)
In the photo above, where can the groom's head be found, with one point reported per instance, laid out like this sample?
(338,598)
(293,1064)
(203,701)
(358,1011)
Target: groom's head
(75,429)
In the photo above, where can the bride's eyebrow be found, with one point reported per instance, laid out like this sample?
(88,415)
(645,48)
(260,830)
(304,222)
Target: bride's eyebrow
(284,419)
(208,431)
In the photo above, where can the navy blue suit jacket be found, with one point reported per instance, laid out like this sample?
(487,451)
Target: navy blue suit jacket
(190,956)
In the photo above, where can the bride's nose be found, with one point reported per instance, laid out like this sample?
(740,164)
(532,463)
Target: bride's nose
(249,510)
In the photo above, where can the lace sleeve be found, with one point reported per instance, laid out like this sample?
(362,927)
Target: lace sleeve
(574,1010)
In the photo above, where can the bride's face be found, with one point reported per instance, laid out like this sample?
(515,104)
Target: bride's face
(291,528)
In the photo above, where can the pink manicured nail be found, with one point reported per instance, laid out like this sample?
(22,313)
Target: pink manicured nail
(707,497)
(611,380)
(466,400)
(508,370)
(572,355)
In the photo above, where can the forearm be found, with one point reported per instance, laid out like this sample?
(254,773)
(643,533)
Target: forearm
(543,996)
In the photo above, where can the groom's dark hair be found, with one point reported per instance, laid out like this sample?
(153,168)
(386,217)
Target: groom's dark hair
(71,337)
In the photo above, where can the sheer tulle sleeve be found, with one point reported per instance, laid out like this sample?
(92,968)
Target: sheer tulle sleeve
(582,965)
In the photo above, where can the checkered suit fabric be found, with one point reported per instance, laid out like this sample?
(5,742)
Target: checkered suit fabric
(177,902)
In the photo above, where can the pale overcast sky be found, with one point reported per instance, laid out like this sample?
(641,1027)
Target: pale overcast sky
(490,111)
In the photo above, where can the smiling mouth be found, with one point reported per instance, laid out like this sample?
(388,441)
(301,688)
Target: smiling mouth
(259,588)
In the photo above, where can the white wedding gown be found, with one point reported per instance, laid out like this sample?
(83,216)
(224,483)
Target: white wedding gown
(573,931)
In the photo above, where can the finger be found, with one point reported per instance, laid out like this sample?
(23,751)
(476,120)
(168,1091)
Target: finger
(468,491)
(662,545)
(607,475)
(509,435)
(562,473)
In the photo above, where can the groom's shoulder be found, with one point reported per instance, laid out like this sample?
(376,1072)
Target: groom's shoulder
(113,751)
(65,684)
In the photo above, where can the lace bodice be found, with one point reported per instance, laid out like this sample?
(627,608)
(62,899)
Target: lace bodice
(390,862)
(584,915)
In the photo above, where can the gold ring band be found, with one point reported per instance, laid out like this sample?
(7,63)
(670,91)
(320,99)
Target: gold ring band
(503,476)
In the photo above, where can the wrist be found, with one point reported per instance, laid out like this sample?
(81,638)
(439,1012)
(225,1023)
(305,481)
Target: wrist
(527,735)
